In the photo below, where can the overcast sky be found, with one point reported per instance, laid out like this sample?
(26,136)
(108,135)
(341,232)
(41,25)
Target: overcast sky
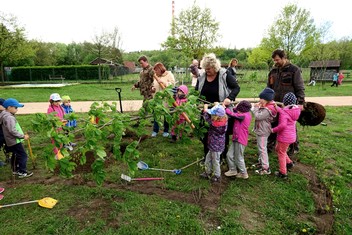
(144,25)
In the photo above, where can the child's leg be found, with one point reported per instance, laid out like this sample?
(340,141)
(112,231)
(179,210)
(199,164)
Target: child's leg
(230,157)
(208,163)
(155,127)
(21,157)
(239,157)
(166,125)
(215,160)
(281,150)
(262,142)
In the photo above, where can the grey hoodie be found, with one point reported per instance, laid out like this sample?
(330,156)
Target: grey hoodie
(12,131)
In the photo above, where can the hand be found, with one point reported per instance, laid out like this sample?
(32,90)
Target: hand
(205,108)
(64,122)
(26,137)
(133,88)
(226,102)
(153,90)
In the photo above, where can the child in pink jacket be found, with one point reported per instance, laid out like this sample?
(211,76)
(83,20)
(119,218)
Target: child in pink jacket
(181,97)
(286,132)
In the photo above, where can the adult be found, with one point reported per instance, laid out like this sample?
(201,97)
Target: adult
(341,77)
(283,78)
(232,67)
(146,79)
(194,68)
(162,79)
(335,78)
(215,84)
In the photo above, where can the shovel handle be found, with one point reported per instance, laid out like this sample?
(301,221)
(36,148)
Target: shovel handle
(146,179)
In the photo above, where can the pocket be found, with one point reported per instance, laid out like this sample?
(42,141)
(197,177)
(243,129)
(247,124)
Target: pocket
(286,78)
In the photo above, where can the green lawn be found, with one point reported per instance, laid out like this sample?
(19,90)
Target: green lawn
(186,204)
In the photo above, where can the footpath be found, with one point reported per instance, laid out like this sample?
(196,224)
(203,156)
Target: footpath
(135,105)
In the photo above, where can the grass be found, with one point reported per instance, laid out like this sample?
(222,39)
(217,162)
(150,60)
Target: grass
(106,91)
(185,204)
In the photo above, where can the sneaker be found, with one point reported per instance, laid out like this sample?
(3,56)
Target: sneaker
(242,176)
(204,175)
(24,174)
(290,165)
(73,144)
(257,166)
(280,175)
(263,172)
(231,173)
(215,179)
(69,147)
(173,139)
(154,134)
(2,190)
(166,134)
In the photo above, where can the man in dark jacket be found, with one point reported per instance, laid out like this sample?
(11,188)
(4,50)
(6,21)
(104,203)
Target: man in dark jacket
(283,78)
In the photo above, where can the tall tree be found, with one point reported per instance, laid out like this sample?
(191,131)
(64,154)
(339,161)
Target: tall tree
(194,32)
(12,41)
(294,31)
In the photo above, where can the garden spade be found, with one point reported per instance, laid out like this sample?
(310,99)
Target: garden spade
(46,202)
(31,153)
(129,179)
(144,166)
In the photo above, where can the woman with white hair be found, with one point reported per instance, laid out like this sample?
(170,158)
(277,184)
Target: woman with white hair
(215,84)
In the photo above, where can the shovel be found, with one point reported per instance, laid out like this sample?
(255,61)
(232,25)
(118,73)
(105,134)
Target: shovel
(46,202)
(31,153)
(144,166)
(129,179)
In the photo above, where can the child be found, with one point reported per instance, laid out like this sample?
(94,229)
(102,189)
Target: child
(66,105)
(2,138)
(335,77)
(216,140)
(181,97)
(264,113)
(14,137)
(55,106)
(235,157)
(286,132)
(1,191)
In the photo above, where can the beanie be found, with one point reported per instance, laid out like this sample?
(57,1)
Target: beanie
(2,101)
(290,99)
(65,98)
(244,106)
(267,94)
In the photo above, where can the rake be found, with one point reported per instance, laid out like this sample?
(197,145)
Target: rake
(129,179)
(144,166)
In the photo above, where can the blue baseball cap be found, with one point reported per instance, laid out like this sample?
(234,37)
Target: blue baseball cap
(12,102)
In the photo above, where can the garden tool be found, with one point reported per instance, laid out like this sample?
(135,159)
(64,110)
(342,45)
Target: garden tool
(31,153)
(129,179)
(46,202)
(144,166)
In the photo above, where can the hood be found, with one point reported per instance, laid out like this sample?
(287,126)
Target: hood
(3,114)
(184,89)
(293,111)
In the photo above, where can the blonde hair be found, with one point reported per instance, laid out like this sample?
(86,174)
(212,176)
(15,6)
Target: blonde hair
(218,118)
(210,60)
(232,60)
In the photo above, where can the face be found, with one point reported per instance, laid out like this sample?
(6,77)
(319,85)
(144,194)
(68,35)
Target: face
(143,64)
(210,71)
(279,62)
(67,102)
(12,109)
(157,72)
(263,102)
(2,108)
(234,63)
(57,103)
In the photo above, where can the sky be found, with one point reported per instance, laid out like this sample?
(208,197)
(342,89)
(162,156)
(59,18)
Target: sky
(144,25)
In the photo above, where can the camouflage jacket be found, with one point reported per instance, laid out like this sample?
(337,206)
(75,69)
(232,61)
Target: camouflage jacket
(145,82)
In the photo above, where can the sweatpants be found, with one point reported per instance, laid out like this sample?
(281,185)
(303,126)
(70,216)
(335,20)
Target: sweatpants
(212,163)
(235,157)
(263,157)
(281,150)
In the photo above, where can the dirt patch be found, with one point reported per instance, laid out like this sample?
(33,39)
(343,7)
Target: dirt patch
(324,214)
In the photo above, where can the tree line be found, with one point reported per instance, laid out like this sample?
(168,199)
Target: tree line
(194,32)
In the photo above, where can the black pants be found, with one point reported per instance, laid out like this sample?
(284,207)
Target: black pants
(19,158)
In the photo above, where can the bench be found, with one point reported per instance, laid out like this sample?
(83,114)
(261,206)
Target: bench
(57,77)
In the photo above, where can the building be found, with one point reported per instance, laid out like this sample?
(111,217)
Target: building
(324,70)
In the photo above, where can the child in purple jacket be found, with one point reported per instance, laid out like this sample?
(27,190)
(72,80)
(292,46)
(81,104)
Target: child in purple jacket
(217,119)
(235,157)
(286,132)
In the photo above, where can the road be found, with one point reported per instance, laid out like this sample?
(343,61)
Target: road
(135,105)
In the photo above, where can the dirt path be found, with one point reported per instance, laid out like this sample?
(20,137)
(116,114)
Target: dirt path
(135,105)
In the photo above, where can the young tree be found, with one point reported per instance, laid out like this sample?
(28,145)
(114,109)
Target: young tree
(294,31)
(194,32)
